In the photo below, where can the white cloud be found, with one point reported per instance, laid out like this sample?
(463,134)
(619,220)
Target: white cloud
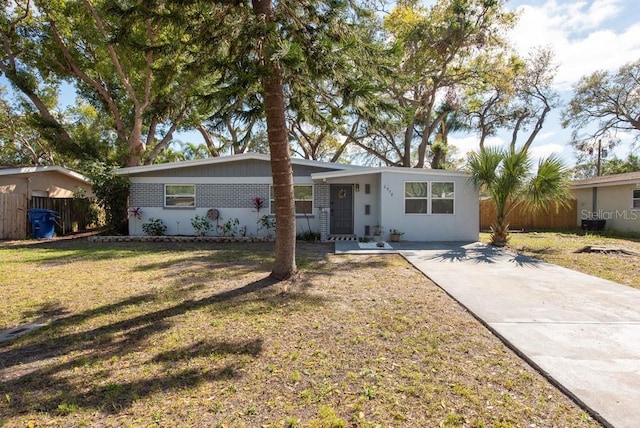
(545,150)
(585,37)
(543,136)
(465,145)
(469,143)
(579,16)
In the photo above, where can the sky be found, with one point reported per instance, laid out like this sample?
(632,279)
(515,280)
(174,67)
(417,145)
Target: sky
(586,36)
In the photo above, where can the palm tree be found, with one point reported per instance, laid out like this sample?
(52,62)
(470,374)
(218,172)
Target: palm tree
(281,170)
(506,177)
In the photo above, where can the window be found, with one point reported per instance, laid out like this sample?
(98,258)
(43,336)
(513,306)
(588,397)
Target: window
(302,198)
(416,197)
(635,203)
(367,189)
(180,195)
(442,196)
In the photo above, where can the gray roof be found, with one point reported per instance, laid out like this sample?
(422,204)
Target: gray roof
(608,180)
(224,160)
(388,169)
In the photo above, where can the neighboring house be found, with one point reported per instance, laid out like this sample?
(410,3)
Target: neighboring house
(334,200)
(36,186)
(43,181)
(613,198)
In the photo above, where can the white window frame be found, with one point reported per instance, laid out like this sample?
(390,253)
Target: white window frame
(440,198)
(272,202)
(426,197)
(635,199)
(183,195)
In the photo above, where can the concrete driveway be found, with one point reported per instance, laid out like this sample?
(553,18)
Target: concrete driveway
(580,331)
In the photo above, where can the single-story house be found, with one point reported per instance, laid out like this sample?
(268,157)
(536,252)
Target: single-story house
(331,199)
(22,188)
(612,198)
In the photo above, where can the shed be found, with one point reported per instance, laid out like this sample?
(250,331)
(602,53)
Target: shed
(22,188)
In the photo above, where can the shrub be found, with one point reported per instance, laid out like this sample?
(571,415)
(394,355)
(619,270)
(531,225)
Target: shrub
(201,225)
(309,236)
(230,228)
(112,193)
(154,227)
(267,223)
(92,213)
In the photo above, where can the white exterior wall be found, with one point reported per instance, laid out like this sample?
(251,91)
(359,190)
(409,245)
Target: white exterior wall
(361,199)
(584,204)
(613,204)
(462,225)
(178,220)
(387,203)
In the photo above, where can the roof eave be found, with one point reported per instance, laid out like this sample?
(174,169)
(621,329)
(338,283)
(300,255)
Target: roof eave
(605,184)
(379,170)
(225,159)
(36,169)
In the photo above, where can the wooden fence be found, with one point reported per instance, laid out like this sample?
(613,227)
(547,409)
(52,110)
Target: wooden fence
(14,224)
(13,216)
(73,213)
(525,219)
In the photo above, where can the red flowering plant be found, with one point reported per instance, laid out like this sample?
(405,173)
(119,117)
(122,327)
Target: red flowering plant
(136,212)
(258,203)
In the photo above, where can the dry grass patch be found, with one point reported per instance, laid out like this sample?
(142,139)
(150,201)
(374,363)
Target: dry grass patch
(196,335)
(560,248)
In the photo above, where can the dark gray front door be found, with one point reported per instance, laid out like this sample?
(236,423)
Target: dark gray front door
(341,209)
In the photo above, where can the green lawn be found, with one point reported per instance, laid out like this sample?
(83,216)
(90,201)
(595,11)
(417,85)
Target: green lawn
(164,335)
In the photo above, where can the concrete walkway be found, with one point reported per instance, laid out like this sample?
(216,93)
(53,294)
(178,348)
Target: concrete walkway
(582,332)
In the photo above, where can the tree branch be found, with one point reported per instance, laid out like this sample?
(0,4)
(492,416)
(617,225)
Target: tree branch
(99,88)
(49,119)
(208,140)
(114,57)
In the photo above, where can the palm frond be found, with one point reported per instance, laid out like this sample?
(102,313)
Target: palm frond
(549,184)
(483,166)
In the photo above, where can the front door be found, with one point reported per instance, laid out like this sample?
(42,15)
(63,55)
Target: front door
(341,209)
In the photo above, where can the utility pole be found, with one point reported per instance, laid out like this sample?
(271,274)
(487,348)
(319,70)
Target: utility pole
(599,157)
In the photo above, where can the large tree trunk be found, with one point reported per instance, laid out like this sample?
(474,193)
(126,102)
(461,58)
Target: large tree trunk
(408,137)
(281,171)
(136,147)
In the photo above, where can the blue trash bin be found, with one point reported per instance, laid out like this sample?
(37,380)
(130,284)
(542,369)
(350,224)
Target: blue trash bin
(43,222)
